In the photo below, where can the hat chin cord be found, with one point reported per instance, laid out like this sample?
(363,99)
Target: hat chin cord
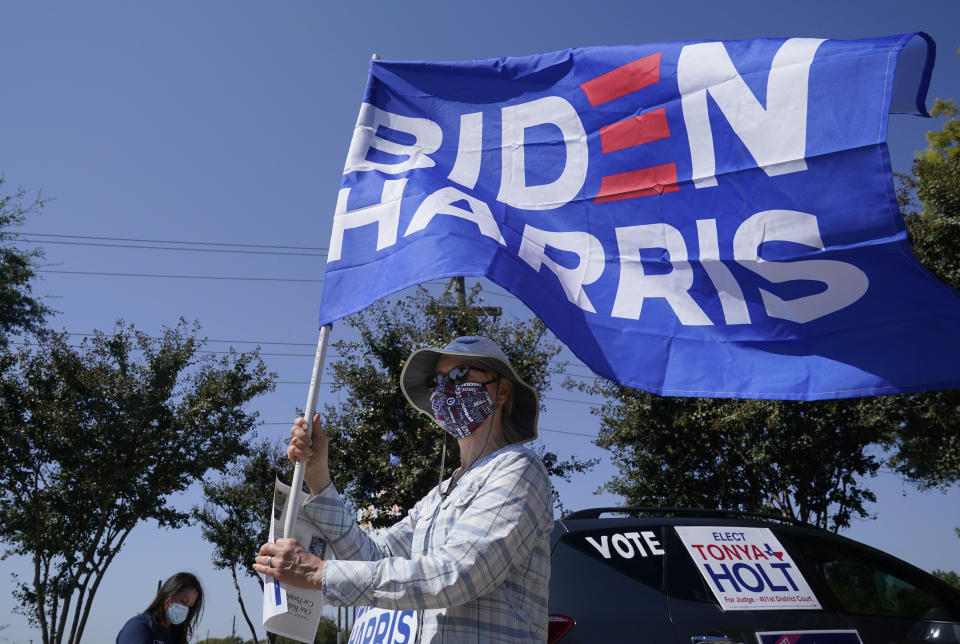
(443,454)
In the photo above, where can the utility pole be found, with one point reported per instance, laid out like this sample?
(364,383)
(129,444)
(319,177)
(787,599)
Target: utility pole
(460,292)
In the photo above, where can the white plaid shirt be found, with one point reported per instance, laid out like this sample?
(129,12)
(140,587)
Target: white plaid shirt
(476,564)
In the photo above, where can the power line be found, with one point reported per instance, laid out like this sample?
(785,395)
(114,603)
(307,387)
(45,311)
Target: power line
(191,243)
(171,241)
(553,398)
(291,344)
(307,355)
(185,277)
(215,277)
(542,429)
(564,372)
(199,250)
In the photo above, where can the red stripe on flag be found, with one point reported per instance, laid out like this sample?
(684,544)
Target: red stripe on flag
(623,80)
(635,130)
(638,183)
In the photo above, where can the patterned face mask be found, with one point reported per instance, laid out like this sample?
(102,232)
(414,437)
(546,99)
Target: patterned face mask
(461,408)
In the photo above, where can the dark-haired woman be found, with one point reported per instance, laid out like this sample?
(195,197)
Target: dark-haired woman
(171,616)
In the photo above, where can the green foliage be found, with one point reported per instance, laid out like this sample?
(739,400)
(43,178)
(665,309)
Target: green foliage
(793,459)
(19,309)
(950,577)
(95,439)
(326,634)
(930,198)
(803,460)
(384,454)
(927,440)
(235,517)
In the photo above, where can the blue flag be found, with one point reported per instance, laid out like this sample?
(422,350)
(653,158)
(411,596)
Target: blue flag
(696,219)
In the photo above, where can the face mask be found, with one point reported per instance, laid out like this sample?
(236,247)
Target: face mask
(177,613)
(461,409)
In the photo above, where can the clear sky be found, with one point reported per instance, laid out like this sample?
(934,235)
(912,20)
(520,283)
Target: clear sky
(228,122)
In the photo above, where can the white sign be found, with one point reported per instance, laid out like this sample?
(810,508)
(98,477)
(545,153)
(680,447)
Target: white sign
(383,626)
(747,568)
(292,612)
(627,544)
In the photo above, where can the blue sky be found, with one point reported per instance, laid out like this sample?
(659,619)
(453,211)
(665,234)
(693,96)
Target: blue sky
(228,122)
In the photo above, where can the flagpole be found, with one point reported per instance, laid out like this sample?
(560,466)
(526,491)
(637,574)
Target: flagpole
(309,410)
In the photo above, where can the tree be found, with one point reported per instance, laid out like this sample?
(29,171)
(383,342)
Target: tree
(805,460)
(384,454)
(235,517)
(796,460)
(950,576)
(326,634)
(927,439)
(95,439)
(19,309)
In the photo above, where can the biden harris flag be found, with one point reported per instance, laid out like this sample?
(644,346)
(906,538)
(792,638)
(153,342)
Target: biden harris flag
(696,219)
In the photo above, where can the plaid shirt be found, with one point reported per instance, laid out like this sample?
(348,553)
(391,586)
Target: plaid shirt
(476,564)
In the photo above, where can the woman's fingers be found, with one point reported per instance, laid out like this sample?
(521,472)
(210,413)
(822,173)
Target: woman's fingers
(287,561)
(300,443)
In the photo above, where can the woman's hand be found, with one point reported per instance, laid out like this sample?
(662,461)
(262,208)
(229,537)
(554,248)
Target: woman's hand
(312,451)
(288,562)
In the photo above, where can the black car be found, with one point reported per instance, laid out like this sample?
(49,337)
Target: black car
(698,576)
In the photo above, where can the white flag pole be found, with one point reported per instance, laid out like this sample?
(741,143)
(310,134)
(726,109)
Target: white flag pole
(308,411)
(295,486)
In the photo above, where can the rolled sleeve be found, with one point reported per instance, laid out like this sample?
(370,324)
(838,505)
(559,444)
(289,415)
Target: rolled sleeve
(345,538)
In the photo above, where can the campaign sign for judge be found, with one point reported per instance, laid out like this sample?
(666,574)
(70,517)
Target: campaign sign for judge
(810,637)
(380,626)
(747,568)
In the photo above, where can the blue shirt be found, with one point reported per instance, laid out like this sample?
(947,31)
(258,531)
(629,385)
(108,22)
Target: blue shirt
(141,629)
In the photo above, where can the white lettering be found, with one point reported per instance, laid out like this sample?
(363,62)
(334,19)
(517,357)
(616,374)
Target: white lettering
(731,296)
(635,538)
(845,282)
(466,169)
(603,548)
(589,266)
(426,134)
(652,543)
(514,190)
(635,284)
(776,136)
(441,203)
(385,214)
(622,545)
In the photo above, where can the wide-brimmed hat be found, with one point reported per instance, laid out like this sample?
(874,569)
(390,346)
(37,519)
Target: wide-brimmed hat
(519,426)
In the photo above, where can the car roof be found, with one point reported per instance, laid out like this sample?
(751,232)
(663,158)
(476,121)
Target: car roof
(640,516)
(670,514)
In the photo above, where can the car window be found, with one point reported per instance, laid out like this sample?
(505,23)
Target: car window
(684,580)
(868,583)
(635,552)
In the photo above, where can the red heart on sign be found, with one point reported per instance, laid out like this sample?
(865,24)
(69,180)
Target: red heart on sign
(778,555)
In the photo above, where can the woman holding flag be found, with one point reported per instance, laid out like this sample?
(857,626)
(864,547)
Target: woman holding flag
(472,557)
